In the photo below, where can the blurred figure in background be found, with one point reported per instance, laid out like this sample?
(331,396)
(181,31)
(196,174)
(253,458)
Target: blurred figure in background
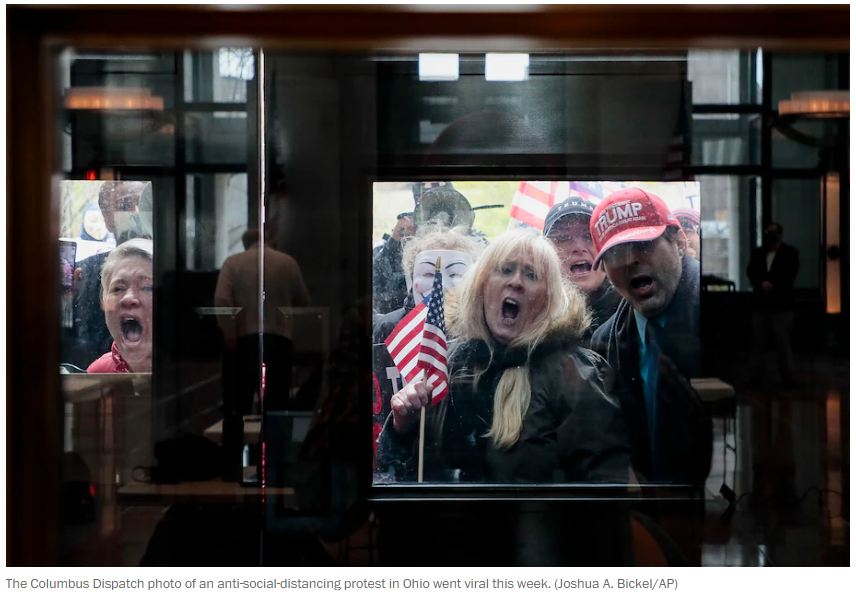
(94,228)
(772,269)
(690,221)
(567,227)
(238,286)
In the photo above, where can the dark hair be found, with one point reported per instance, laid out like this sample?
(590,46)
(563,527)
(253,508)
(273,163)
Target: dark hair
(250,237)
(778,227)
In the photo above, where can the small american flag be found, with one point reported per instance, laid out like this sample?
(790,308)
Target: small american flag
(418,342)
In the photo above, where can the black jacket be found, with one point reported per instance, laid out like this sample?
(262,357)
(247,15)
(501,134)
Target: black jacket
(604,303)
(781,275)
(389,288)
(685,439)
(89,339)
(572,432)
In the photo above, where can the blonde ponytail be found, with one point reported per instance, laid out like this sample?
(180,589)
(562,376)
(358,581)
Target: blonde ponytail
(510,403)
(564,311)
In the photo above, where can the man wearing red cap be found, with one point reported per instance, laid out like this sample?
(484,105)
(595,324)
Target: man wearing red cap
(652,340)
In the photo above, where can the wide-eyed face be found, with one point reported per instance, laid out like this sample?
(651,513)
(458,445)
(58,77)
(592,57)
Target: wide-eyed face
(453,265)
(572,238)
(128,311)
(646,274)
(514,296)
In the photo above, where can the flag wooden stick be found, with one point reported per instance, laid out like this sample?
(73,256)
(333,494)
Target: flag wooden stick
(421,445)
(421,465)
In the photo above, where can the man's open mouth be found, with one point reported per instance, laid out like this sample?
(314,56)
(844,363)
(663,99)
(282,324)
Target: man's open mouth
(581,267)
(641,283)
(510,310)
(132,330)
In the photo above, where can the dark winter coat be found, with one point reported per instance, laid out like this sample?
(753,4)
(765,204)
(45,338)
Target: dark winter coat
(685,440)
(573,430)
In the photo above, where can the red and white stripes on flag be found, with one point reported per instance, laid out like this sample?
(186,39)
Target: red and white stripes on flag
(532,202)
(418,342)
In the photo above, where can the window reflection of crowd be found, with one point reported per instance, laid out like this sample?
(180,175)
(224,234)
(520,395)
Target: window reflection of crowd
(507,419)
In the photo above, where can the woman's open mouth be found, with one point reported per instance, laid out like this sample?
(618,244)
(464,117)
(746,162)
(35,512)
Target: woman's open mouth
(580,268)
(132,330)
(510,310)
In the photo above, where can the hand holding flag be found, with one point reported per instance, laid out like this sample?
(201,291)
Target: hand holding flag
(417,345)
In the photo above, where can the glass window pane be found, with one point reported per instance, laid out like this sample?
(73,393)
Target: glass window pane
(723,77)
(216,138)
(221,76)
(726,227)
(788,153)
(726,139)
(803,72)
(171,369)
(797,207)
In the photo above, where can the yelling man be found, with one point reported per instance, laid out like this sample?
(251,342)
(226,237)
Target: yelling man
(652,340)
(567,227)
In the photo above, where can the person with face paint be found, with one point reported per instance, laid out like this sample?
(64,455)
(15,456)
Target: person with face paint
(439,204)
(127,288)
(419,254)
(652,340)
(122,204)
(457,252)
(567,227)
(94,228)
(772,269)
(526,402)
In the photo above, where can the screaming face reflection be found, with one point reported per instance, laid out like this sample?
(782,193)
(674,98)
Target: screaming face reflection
(514,296)
(128,311)
(453,265)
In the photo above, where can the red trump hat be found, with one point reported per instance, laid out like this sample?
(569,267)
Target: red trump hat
(629,215)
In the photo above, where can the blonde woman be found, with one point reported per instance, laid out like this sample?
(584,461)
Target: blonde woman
(527,403)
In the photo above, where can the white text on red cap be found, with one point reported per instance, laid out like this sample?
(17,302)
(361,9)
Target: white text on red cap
(616,215)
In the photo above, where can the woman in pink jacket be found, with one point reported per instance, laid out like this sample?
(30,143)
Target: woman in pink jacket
(127,297)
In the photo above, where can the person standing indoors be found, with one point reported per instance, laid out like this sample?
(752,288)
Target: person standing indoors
(772,269)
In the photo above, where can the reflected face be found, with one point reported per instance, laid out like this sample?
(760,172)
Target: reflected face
(572,239)
(93,223)
(514,296)
(128,311)
(122,200)
(453,265)
(646,274)
(694,242)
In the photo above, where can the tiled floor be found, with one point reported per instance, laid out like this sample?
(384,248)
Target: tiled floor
(786,473)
